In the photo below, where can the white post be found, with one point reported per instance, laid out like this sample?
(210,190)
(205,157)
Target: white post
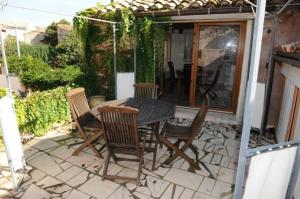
(115,57)
(5,64)
(250,96)
(14,178)
(17,41)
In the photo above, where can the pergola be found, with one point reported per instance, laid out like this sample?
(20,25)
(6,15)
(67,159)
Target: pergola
(245,152)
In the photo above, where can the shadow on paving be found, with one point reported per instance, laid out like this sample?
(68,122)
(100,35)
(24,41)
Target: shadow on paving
(54,173)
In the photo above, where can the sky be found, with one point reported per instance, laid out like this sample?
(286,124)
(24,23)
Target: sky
(69,7)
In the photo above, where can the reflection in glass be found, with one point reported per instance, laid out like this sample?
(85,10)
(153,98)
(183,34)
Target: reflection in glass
(218,46)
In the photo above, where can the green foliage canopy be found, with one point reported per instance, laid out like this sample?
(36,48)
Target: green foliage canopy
(38,51)
(141,33)
(50,36)
(38,75)
(68,52)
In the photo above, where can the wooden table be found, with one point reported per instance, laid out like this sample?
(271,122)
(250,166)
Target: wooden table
(151,111)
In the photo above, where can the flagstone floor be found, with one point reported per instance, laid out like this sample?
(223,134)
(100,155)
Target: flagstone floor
(55,173)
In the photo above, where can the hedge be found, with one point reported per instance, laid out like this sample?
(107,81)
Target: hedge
(37,75)
(38,113)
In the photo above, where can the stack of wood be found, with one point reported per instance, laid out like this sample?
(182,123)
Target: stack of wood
(289,48)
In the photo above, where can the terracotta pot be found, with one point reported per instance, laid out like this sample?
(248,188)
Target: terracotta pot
(96,100)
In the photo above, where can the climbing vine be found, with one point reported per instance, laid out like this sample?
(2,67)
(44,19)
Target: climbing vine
(140,33)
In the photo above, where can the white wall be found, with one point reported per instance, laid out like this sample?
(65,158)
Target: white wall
(285,110)
(178,44)
(292,75)
(177,50)
(292,80)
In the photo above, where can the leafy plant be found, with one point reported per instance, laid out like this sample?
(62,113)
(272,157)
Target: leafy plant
(68,52)
(140,33)
(36,51)
(37,113)
(38,75)
(50,36)
(41,110)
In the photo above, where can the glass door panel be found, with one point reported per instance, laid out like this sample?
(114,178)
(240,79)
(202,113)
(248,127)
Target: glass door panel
(216,65)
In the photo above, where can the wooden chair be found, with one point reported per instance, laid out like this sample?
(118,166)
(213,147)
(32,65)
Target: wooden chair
(184,134)
(121,136)
(89,127)
(145,90)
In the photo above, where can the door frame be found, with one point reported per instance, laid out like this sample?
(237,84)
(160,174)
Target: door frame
(238,68)
(294,114)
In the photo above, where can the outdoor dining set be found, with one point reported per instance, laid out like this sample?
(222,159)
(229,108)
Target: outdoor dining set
(132,128)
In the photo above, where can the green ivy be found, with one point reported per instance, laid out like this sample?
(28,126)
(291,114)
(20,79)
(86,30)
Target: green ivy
(37,113)
(97,38)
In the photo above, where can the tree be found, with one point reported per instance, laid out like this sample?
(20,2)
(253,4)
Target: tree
(68,52)
(51,33)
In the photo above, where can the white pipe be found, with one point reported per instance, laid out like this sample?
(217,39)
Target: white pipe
(4,61)
(250,96)
(17,41)
(14,179)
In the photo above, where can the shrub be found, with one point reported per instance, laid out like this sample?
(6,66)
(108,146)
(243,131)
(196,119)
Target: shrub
(67,52)
(40,111)
(37,113)
(38,75)
(3,92)
(38,51)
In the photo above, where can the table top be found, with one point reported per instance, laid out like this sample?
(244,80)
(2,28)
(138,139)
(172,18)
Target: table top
(150,110)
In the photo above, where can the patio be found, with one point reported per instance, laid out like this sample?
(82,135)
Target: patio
(54,173)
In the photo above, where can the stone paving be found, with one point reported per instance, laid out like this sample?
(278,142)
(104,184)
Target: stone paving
(55,173)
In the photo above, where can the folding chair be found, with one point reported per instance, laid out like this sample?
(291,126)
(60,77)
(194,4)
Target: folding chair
(121,136)
(145,90)
(184,134)
(89,127)
(148,91)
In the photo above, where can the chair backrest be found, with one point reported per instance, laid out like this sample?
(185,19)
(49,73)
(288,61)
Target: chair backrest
(120,126)
(145,90)
(79,105)
(200,117)
(171,70)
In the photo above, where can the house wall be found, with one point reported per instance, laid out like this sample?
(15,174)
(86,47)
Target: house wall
(292,80)
(287,32)
(244,73)
(291,76)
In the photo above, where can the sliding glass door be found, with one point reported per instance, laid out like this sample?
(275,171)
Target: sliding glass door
(217,60)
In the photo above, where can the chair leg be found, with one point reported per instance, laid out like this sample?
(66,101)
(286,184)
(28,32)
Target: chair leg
(154,154)
(139,171)
(106,165)
(88,143)
(180,153)
(141,161)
